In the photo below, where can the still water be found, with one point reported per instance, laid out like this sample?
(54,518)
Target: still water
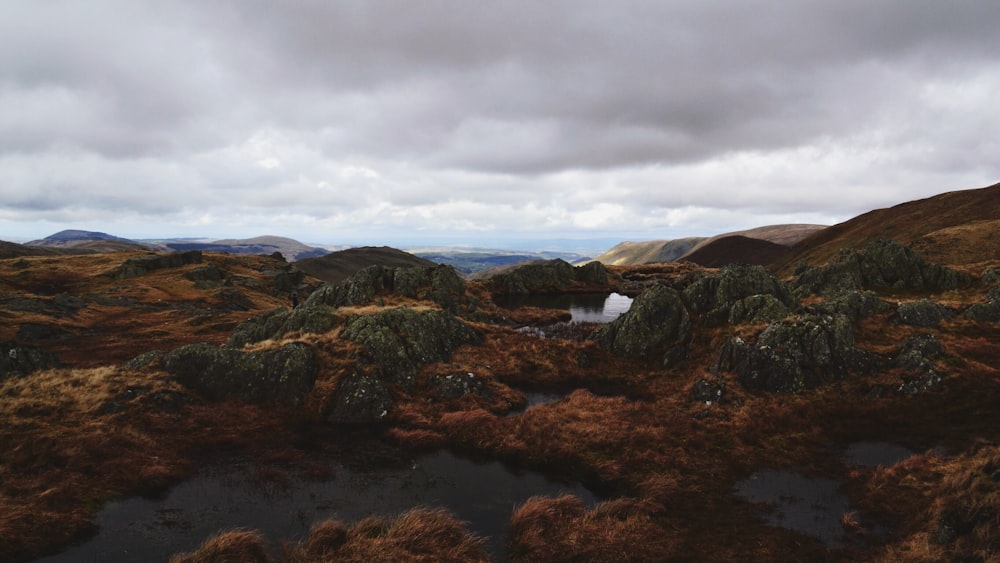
(584,307)
(284,506)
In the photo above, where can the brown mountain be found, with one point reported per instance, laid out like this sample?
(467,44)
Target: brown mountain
(631,253)
(14,250)
(736,249)
(338,266)
(956,227)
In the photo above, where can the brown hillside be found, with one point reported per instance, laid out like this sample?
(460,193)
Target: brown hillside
(647,252)
(338,266)
(951,228)
(737,249)
(14,250)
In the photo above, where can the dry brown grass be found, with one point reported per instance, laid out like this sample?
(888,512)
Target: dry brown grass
(228,547)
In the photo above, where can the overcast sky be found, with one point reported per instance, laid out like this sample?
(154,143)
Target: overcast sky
(412,122)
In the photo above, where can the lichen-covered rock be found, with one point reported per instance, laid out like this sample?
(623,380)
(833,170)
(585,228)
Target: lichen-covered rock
(401,340)
(988,312)
(440,284)
(280,321)
(714,296)
(280,376)
(923,312)
(359,399)
(18,360)
(455,385)
(855,305)
(757,309)
(705,391)
(656,326)
(921,384)
(796,355)
(917,353)
(535,277)
(141,265)
(879,264)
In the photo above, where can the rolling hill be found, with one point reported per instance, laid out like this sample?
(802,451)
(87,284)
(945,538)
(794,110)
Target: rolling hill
(956,227)
(85,242)
(631,253)
(291,249)
(736,249)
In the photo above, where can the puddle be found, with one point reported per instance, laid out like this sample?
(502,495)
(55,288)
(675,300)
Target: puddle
(813,506)
(583,308)
(283,506)
(874,454)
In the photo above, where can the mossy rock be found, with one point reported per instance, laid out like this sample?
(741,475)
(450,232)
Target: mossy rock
(281,376)
(535,277)
(855,305)
(18,360)
(401,340)
(440,284)
(923,313)
(795,355)
(656,326)
(359,399)
(713,296)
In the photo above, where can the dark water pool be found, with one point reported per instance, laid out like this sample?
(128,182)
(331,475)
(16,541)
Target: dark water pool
(874,454)
(284,506)
(814,506)
(587,307)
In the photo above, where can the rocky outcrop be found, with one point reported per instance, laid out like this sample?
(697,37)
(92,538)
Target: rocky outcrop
(796,355)
(656,326)
(399,341)
(988,312)
(879,264)
(278,322)
(923,313)
(547,276)
(281,376)
(456,385)
(142,265)
(855,305)
(916,355)
(714,296)
(359,399)
(440,284)
(18,360)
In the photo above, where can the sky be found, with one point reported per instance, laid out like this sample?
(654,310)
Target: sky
(507,124)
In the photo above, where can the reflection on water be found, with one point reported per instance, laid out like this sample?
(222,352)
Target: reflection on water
(284,507)
(586,307)
(874,454)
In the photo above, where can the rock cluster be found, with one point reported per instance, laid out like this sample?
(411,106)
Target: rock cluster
(142,265)
(547,276)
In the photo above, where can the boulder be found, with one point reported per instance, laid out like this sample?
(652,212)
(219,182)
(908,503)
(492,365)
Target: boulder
(917,353)
(591,272)
(401,340)
(359,399)
(280,321)
(757,309)
(713,296)
(18,360)
(988,312)
(705,391)
(923,313)
(795,355)
(656,326)
(282,376)
(456,385)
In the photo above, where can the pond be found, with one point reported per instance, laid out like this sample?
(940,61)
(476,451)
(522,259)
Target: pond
(283,506)
(814,506)
(874,454)
(583,307)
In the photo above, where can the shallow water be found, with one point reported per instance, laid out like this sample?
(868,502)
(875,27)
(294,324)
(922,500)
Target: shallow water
(874,454)
(587,307)
(284,506)
(810,505)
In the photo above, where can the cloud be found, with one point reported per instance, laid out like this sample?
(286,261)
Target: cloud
(517,117)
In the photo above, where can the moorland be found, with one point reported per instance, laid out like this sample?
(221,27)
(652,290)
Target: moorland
(123,372)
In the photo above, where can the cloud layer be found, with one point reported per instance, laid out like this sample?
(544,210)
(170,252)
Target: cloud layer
(387,122)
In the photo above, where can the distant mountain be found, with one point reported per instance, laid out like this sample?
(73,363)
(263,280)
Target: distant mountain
(647,252)
(291,249)
(87,242)
(336,267)
(470,261)
(655,251)
(956,228)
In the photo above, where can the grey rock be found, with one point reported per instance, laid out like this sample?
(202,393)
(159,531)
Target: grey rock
(757,309)
(359,399)
(656,326)
(855,305)
(401,340)
(714,296)
(923,313)
(281,376)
